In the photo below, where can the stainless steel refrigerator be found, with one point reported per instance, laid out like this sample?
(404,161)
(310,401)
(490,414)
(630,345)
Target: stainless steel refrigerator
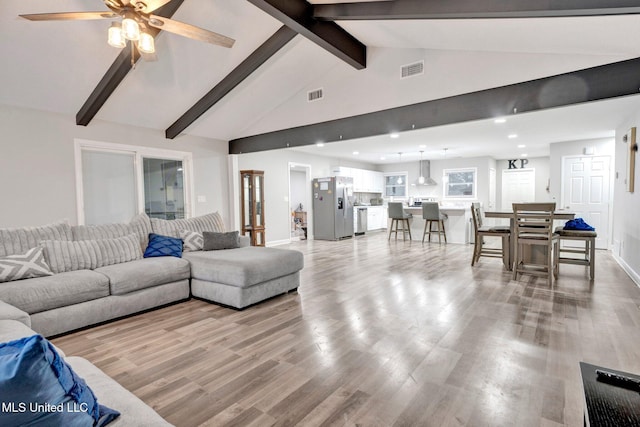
(332,208)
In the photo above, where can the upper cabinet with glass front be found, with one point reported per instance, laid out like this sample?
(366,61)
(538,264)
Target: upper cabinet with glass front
(252,199)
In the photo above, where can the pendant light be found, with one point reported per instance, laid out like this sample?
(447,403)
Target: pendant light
(421,178)
(399,180)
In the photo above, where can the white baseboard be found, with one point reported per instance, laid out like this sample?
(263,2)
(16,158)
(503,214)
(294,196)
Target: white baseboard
(632,274)
(279,242)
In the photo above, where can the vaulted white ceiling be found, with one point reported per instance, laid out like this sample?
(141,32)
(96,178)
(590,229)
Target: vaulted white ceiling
(54,66)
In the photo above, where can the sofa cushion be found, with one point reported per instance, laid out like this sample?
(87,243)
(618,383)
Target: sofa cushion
(20,240)
(60,290)
(214,241)
(90,254)
(244,267)
(27,266)
(9,312)
(139,225)
(173,227)
(11,330)
(145,273)
(43,389)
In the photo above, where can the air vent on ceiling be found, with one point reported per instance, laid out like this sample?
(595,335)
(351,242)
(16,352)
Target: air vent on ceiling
(314,95)
(412,70)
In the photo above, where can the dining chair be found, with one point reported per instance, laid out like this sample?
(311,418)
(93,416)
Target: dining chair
(431,214)
(481,231)
(398,216)
(534,240)
(586,254)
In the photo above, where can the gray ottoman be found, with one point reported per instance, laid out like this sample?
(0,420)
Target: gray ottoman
(244,276)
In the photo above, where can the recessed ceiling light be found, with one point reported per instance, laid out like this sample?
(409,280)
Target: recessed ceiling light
(422,146)
(512,135)
(394,135)
(383,158)
(500,120)
(521,146)
(319,144)
(355,153)
(523,155)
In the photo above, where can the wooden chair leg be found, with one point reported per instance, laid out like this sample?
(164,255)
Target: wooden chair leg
(592,258)
(424,232)
(516,261)
(390,229)
(477,247)
(409,229)
(444,232)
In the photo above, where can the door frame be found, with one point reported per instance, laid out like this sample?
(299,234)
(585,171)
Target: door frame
(307,198)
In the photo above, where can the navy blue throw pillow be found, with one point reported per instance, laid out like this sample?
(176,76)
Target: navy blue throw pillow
(163,246)
(39,388)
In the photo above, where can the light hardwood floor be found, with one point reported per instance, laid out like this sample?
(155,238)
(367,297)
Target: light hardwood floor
(380,334)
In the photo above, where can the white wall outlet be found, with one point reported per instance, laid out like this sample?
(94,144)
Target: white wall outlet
(202,199)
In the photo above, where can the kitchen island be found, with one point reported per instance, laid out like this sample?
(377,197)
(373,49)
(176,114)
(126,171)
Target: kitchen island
(456,225)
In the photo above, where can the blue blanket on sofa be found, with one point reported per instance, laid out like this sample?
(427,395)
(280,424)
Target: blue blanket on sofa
(578,224)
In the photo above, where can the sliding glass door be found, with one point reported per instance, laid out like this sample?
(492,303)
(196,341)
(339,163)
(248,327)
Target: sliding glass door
(109,187)
(163,188)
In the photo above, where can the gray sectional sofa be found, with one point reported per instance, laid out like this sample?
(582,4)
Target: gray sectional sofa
(100,273)
(85,275)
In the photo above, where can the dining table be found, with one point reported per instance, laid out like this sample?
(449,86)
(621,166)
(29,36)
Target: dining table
(559,215)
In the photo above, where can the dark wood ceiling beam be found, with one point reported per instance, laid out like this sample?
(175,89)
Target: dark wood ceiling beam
(298,15)
(464,9)
(118,71)
(276,42)
(591,84)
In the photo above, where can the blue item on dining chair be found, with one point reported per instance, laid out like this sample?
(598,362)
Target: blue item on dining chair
(578,224)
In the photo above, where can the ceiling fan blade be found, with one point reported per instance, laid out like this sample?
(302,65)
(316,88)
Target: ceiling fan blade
(64,16)
(190,31)
(148,6)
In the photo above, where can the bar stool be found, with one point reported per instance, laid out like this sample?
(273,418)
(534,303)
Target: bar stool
(431,214)
(482,231)
(588,252)
(534,228)
(399,216)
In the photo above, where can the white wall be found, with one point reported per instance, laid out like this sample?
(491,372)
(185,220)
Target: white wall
(37,164)
(626,206)
(275,164)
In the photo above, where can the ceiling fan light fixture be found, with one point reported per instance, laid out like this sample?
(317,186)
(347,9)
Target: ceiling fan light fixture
(115,37)
(130,28)
(146,43)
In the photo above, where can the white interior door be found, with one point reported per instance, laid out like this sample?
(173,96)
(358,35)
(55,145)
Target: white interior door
(518,186)
(586,191)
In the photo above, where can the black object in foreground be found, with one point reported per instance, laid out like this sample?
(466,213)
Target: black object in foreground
(618,380)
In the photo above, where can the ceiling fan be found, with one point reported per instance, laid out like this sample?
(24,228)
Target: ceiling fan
(136,22)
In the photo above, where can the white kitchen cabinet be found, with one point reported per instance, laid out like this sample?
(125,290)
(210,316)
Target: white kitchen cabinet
(377,180)
(364,181)
(375,219)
